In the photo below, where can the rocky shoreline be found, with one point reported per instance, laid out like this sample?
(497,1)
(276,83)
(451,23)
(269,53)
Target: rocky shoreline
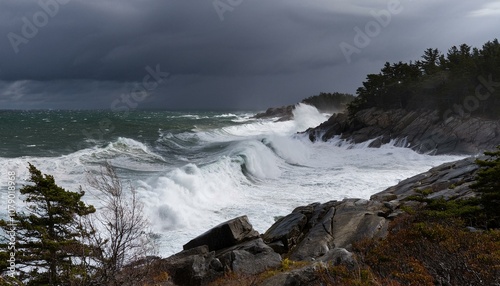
(425,131)
(320,234)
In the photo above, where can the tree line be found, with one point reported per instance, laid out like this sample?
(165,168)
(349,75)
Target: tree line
(465,80)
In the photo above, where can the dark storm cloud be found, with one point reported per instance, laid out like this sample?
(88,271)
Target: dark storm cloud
(249,53)
(114,41)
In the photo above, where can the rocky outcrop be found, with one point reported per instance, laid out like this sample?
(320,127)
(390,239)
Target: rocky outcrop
(425,131)
(324,102)
(447,181)
(320,234)
(251,257)
(312,231)
(225,235)
(230,246)
(196,266)
(283,113)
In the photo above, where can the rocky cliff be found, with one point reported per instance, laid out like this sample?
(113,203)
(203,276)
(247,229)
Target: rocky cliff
(425,131)
(318,234)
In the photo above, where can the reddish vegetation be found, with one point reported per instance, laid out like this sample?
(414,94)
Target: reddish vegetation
(423,250)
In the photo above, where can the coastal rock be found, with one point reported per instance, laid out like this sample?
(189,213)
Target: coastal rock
(304,276)
(354,221)
(283,113)
(449,181)
(225,235)
(425,131)
(286,230)
(250,257)
(312,231)
(318,240)
(231,246)
(195,266)
(339,256)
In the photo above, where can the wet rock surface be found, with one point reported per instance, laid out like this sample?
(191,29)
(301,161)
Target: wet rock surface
(422,130)
(283,113)
(225,235)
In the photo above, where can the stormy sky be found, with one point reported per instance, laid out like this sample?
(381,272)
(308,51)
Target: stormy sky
(216,54)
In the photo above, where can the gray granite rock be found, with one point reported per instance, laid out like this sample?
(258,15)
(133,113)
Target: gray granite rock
(225,235)
(251,257)
(286,230)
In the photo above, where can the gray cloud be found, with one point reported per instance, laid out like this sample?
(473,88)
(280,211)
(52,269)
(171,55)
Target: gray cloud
(87,53)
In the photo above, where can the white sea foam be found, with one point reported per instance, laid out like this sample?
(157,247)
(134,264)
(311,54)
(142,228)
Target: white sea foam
(124,153)
(305,116)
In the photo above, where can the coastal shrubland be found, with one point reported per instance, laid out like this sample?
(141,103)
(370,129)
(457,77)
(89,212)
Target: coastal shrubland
(422,249)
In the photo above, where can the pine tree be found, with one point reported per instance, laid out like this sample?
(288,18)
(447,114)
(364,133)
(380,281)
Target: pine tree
(431,60)
(488,184)
(48,246)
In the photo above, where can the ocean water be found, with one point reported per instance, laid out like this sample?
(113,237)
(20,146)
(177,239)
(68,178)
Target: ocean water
(194,170)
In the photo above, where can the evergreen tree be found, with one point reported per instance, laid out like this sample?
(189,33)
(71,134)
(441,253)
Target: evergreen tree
(431,60)
(48,236)
(488,184)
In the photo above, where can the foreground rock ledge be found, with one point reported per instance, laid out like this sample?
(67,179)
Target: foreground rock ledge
(323,233)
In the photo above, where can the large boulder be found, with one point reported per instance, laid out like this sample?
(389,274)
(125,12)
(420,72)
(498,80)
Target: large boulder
(338,225)
(285,233)
(283,113)
(230,246)
(196,266)
(312,231)
(251,257)
(305,233)
(358,219)
(318,241)
(224,235)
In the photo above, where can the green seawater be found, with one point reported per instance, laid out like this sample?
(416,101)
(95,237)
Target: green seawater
(61,132)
